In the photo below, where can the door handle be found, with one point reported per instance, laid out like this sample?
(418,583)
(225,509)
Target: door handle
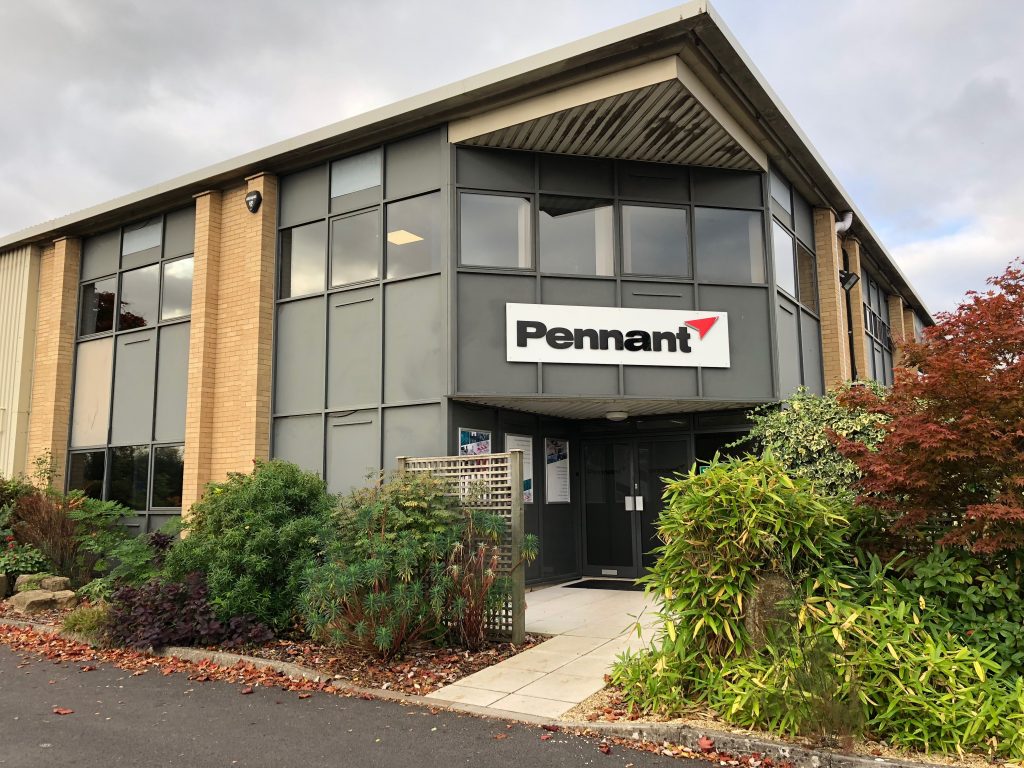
(629,503)
(639,504)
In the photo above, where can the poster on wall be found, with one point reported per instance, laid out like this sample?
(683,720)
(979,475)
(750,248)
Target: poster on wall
(556,470)
(474,442)
(523,443)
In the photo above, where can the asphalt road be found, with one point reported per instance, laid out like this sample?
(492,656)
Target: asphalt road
(153,720)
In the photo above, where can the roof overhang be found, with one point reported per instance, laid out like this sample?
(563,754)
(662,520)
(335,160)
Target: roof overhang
(569,407)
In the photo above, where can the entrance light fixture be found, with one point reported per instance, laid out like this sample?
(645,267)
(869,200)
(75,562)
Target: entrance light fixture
(616,415)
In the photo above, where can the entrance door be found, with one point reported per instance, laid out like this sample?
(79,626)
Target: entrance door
(622,500)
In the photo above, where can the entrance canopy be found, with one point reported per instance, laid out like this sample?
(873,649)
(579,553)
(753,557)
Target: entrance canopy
(583,407)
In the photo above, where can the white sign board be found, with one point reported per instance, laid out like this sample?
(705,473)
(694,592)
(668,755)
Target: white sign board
(552,333)
(556,470)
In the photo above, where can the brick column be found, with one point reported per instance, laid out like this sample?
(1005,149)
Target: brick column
(202,357)
(897,330)
(856,299)
(909,326)
(834,343)
(50,418)
(230,357)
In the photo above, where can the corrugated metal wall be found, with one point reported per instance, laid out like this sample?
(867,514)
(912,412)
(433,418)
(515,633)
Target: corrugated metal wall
(19,288)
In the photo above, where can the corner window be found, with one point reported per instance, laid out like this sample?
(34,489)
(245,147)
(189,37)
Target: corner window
(655,241)
(576,235)
(729,246)
(782,252)
(414,236)
(303,255)
(355,248)
(494,231)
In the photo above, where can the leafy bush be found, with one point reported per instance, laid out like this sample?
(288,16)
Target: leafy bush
(89,620)
(16,559)
(860,648)
(408,563)
(129,561)
(800,433)
(161,613)
(252,537)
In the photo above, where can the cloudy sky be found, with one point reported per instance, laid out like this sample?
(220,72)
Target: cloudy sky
(917,105)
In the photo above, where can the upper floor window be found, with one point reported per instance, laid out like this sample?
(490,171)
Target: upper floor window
(876,329)
(655,241)
(576,235)
(495,231)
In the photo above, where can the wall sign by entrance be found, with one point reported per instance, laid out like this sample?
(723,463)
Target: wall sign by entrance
(523,443)
(556,470)
(551,333)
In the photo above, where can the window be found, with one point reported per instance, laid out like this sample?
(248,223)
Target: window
(655,241)
(494,231)
(303,252)
(780,191)
(576,235)
(414,237)
(140,292)
(177,296)
(807,274)
(729,245)
(356,173)
(782,252)
(355,248)
(131,363)
(876,326)
(96,307)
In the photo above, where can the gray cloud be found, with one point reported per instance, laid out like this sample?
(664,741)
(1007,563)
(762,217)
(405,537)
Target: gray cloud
(918,109)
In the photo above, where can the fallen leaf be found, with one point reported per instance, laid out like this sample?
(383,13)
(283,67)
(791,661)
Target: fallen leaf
(63,711)
(706,744)
(552,728)
(247,690)
(305,695)
(604,748)
(500,736)
(545,736)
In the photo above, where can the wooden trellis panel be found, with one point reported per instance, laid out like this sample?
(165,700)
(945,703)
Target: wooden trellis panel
(492,482)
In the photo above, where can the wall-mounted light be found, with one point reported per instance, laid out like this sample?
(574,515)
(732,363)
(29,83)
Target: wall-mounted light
(616,415)
(848,279)
(253,200)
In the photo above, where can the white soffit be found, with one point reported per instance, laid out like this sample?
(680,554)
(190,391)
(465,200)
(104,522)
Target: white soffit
(568,407)
(655,112)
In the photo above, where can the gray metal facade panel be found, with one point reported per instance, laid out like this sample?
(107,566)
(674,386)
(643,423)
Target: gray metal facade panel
(788,330)
(413,430)
(810,340)
(733,190)
(354,344)
(171,384)
(299,356)
(495,169)
(301,440)
(413,165)
(353,449)
(414,340)
(653,295)
(583,293)
(101,254)
(584,380)
(304,196)
(651,381)
(180,232)
(750,374)
(480,313)
(131,420)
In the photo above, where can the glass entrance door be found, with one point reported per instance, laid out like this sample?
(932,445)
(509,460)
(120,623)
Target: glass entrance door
(622,500)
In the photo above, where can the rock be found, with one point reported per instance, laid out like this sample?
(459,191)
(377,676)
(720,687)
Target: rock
(65,598)
(767,612)
(5,585)
(55,583)
(33,601)
(27,581)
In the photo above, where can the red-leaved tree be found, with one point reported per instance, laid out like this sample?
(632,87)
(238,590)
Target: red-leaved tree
(951,464)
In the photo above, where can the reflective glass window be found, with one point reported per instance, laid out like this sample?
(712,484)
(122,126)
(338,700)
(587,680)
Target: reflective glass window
(355,248)
(414,229)
(807,275)
(779,188)
(576,235)
(91,413)
(655,241)
(141,237)
(96,308)
(356,173)
(782,247)
(168,473)
(129,475)
(729,245)
(177,296)
(303,256)
(494,231)
(140,293)
(85,473)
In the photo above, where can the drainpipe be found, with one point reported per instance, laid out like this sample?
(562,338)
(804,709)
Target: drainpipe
(843,225)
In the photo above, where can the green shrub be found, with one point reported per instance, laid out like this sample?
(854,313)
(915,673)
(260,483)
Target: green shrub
(89,620)
(130,561)
(252,537)
(799,436)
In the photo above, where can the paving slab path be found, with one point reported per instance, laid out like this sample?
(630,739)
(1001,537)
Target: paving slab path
(590,628)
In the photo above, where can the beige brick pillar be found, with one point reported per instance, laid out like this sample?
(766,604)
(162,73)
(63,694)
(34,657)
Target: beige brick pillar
(856,299)
(50,417)
(835,346)
(897,330)
(909,326)
(228,413)
(202,359)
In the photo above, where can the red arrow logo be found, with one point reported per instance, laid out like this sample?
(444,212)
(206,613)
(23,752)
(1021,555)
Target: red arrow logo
(703,325)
